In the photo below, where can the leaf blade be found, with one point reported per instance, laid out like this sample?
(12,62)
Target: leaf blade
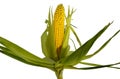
(94,66)
(77,56)
(15,50)
(91,55)
(8,53)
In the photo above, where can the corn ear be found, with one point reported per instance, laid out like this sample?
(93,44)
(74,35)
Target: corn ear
(59,18)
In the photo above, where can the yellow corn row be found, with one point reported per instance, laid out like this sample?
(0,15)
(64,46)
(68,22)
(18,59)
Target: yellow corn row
(59,17)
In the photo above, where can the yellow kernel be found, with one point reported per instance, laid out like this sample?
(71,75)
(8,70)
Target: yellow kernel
(59,18)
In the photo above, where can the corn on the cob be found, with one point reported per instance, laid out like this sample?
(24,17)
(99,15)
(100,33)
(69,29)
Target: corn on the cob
(59,17)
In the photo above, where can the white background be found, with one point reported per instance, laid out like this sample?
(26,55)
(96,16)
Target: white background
(22,22)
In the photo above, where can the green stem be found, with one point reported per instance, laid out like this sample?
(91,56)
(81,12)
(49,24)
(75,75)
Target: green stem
(59,73)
